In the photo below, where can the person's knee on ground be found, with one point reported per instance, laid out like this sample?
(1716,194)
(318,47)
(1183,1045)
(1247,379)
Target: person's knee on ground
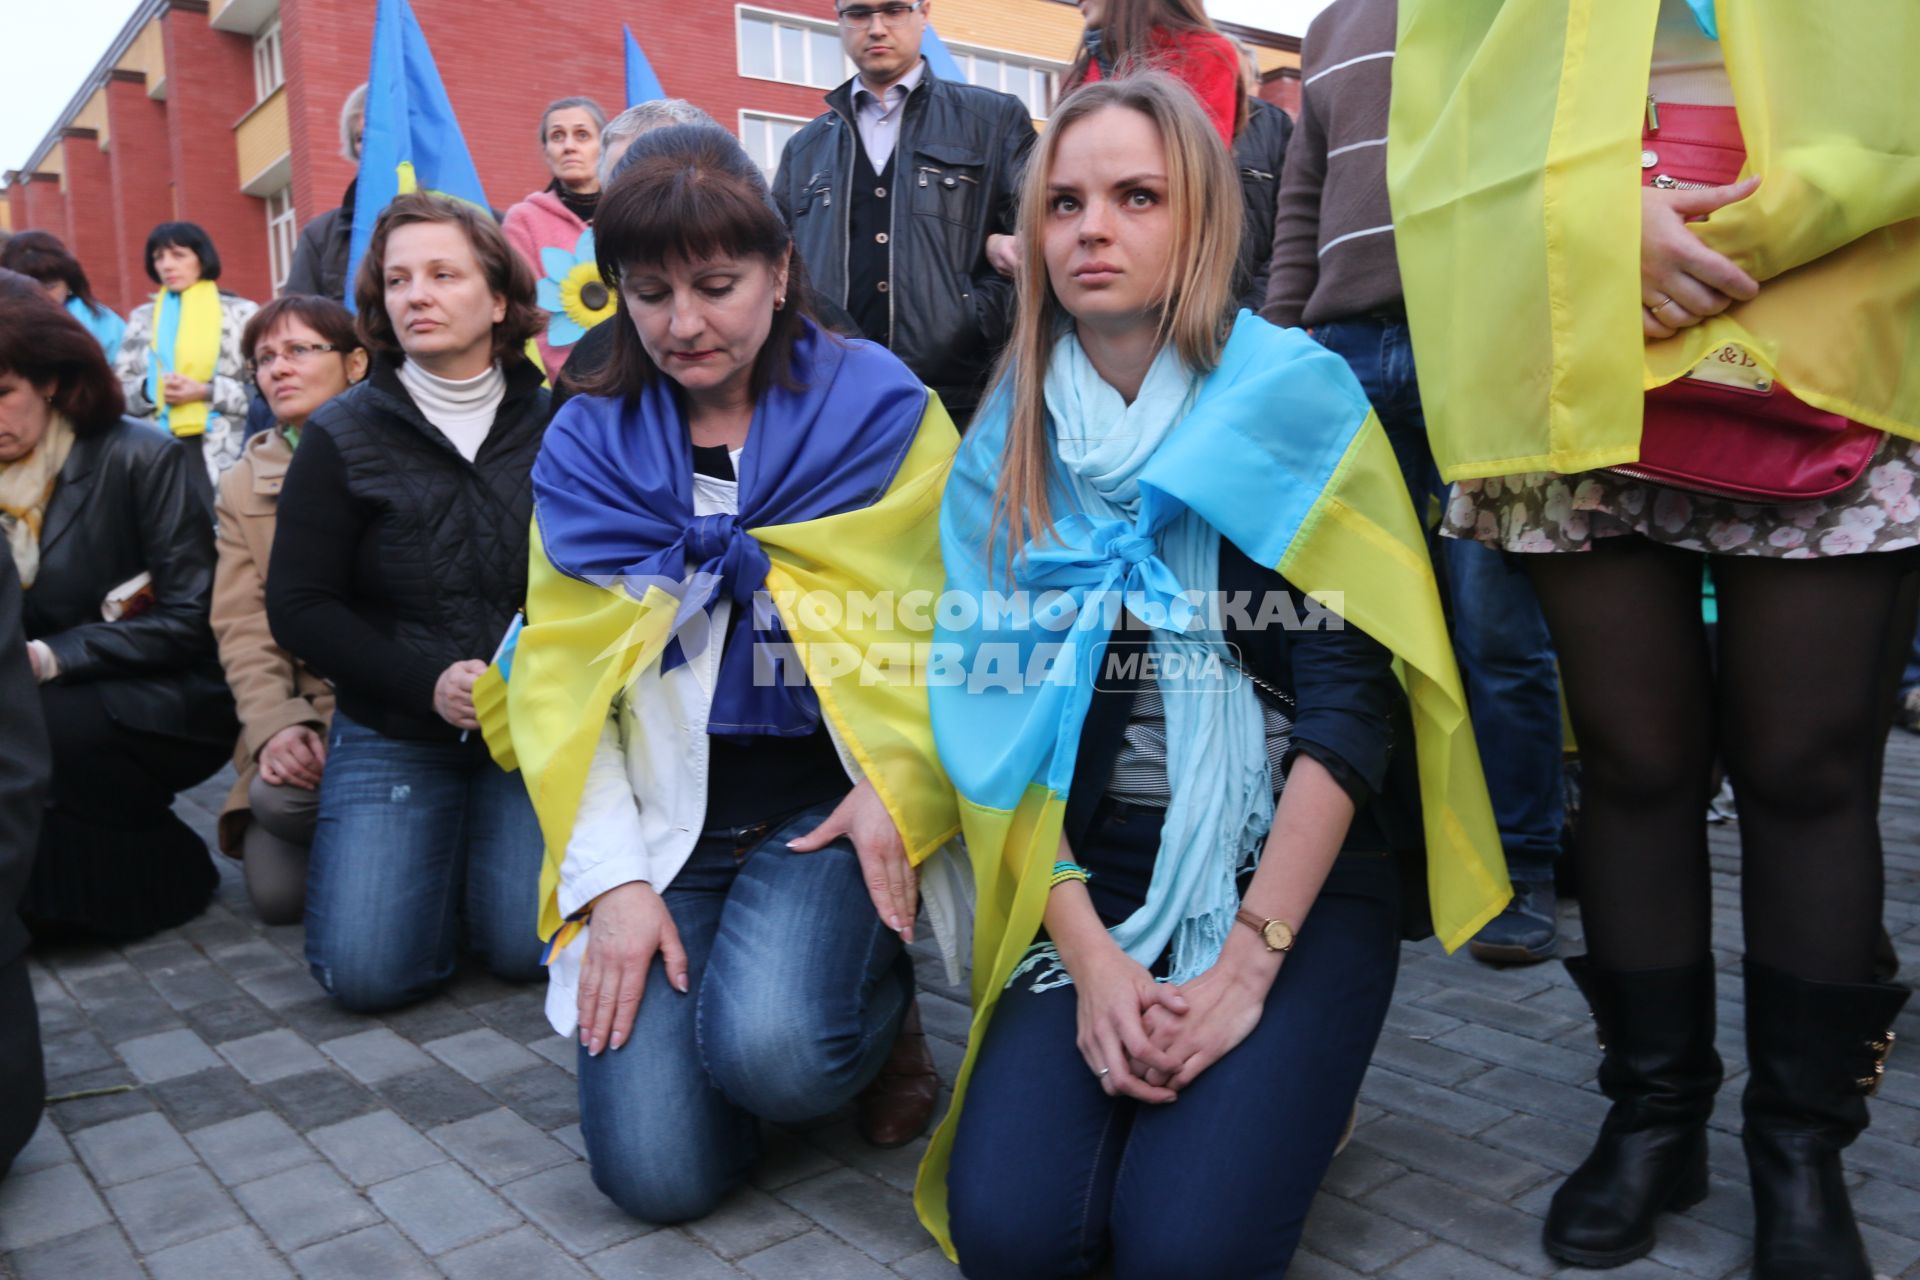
(1176,1245)
(274,848)
(1001,1236)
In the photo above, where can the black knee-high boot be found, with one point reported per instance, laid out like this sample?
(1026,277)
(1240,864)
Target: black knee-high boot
(1815,1050)
(1659,1067)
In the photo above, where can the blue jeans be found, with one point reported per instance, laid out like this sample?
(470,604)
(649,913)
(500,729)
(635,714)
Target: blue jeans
(411,837)
(1049,1173)
(1499,635)
(795,992)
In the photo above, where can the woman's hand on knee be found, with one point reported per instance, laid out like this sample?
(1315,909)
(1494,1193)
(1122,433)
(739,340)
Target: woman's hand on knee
(630,923)
(294,757)
(890,878)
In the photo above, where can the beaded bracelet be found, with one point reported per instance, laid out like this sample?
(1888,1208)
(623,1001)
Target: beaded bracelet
(1065,871)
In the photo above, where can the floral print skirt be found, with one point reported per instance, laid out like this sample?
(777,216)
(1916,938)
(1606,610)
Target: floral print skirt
(1543,511)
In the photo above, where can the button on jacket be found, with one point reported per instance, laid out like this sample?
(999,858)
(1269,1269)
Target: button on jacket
(957,165)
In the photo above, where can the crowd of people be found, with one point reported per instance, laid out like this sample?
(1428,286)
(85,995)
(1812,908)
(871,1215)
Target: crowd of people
(500,595)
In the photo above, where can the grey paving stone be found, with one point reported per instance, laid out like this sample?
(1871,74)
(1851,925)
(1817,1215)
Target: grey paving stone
(930,1265)
(482,1054)
(877,1219)
(664,1255)
(98,1253)
(1450,1109)
(499,1146)
(249,1147)
(123,1150)
(375,1252)
(205,1097)
(560,1051)
(46,1148)
(132,1017)
(172,1208)
(545,1096)
(747,1222)
(435,1096)
(167,1055)
(1490,1044)
(842,1144)
(1358,1170)
(282,988)
(81,1102)
(251,957)
(1888,1205)
(788,1158)
(521,1017)
(187,985)
(442,1207)
(235,1254)
(319,1098)
(524,1252)
(55,1202)
(570,1137)
(1308,1265)
(219,1021)
(1447,1262)
(429,1020)
(1356,1237)
(817,1256)
(1425,1060)
(320,1019)
(272,1055)
(1487,1227)
(1583,1109)
(1442,1155)
(75,1053)
(375,1147)
(375,1054)
(304,1206)
(1687,1244)
(564,1203)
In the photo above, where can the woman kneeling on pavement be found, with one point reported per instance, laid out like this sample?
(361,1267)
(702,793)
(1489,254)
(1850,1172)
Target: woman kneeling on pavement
(1746,401)
(398,563)
(303,352)
(734,836)
(1156,820)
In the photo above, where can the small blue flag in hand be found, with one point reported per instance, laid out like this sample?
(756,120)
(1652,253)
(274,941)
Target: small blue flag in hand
(642,84)
(412,140)
(935,51)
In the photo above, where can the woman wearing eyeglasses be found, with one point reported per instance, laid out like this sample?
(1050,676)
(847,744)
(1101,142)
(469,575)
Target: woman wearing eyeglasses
(303,352)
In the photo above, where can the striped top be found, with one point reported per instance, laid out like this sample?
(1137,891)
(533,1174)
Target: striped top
(1140,769)
(1333,255)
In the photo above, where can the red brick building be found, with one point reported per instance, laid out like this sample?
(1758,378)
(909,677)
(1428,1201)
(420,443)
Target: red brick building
(226,112)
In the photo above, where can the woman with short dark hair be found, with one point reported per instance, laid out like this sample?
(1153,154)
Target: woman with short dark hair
(303,351)
(399,560)
(552,228)
(102,523)
(180,361)
(41,256)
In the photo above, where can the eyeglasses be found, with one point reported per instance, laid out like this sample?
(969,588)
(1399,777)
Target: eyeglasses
(298,352)
(859,15)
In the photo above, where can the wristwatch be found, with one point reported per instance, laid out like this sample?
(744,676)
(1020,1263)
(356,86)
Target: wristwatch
(1277,934)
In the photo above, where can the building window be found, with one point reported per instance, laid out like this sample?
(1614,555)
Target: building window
(282,234)
(765,137)
(269,73)
(779,46)
(1032,81)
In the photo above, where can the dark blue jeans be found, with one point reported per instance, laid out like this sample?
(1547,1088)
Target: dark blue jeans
(413,836)
(1499,636)
(1049,1173)
(795,992)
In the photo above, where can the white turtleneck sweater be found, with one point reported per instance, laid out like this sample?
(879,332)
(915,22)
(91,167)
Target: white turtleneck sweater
(463,410)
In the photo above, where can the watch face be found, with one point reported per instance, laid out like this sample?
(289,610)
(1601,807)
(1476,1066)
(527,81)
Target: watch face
(1277,935)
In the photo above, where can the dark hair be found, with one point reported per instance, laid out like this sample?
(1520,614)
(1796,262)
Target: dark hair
(506,272)
(333,322)
(41,343)
(40,254)
(15,287)
(190,236)
(688,192)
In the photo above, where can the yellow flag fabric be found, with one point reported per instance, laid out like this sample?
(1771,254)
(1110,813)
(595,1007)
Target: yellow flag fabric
(196,353)
(584,643)
(1514,168)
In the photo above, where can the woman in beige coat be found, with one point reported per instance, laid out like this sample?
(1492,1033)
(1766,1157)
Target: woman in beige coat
(302,351)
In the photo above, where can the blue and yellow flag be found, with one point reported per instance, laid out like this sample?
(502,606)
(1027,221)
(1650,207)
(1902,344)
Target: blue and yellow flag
(833,557)
(412,140)
(1283,456)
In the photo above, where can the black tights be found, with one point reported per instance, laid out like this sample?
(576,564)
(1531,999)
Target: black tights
(1796,705)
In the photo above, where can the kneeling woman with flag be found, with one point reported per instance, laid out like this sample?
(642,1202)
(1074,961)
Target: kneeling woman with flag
(735,795)
(1188,820)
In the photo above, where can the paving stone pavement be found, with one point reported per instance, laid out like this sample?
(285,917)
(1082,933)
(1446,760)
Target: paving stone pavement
(240,1126)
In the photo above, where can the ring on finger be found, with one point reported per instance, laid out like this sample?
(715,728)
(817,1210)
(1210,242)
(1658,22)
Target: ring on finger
(1101,1073)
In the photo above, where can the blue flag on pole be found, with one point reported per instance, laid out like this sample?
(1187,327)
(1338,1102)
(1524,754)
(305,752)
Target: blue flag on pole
(934,50)
(412,140)
(642,84)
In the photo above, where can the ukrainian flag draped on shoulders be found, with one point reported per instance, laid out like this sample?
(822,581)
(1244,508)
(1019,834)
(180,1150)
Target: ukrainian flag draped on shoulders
(1282,455)
(1513,164)
(839,487)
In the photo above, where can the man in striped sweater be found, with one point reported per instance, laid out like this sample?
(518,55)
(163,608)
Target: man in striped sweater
(1334,271)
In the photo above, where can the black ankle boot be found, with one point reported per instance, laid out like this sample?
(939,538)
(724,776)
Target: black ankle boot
(1815,1051)
(1659,1066)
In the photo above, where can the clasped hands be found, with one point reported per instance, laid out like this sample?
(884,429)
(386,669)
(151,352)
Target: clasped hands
(1682,281)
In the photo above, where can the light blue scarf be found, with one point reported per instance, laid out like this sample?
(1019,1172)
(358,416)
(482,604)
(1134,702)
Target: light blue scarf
(1703,15)
(166,333)
(1216,745)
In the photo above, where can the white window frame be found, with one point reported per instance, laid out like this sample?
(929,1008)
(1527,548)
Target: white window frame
(269,67)
(968,55)
(806,75)
(283,236)
(769,162)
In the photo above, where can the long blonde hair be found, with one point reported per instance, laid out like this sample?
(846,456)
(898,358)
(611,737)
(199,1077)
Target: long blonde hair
(1203,199)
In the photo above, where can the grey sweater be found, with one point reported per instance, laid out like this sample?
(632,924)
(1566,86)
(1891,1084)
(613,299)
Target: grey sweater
(1333,255)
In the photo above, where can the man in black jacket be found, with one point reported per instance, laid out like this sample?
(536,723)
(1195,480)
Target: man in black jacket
(1259,153)
(894,193)
(320,259)
(23,784)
